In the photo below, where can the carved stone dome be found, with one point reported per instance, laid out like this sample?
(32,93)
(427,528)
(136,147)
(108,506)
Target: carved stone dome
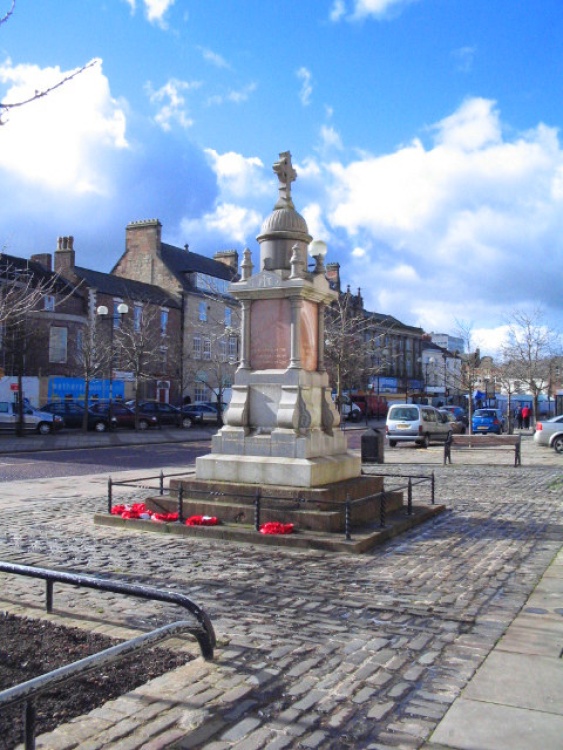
(284,220)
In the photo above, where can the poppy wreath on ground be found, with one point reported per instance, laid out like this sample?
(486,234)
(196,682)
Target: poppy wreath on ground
(164,517)
(202,521)
(140,510)
(275,527)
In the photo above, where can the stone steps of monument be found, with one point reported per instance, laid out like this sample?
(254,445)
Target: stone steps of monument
(303,515)
(362,539)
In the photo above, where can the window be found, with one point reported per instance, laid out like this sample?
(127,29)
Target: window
(196,350)
(200,392)
(116,315)
(163,357)
(233,348)
(49,302)
(163,322)
(137,318)
(203,311)
(228,317)
(207,348)
(222,350)
(211,283)
(58,344)
(79,343)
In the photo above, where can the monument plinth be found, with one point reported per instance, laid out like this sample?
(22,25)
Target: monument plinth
(281,427)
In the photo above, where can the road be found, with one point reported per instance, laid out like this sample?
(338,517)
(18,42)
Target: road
(79,462)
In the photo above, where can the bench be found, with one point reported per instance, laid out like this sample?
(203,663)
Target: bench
(482,442)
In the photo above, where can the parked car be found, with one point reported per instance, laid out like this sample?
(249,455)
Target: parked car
(35,420)
(487,420)
(549,432)
(348,409)
(166,414)
(459,413)
(458,428)
(415,423)
(73,415)
(201,413)
(123,416)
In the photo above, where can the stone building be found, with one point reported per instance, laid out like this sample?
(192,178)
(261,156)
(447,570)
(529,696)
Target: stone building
(391,350)
(199,285)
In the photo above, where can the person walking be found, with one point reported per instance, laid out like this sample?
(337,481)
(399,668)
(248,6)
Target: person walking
(526,416)
(519,417)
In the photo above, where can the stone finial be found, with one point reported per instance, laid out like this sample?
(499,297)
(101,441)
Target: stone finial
(286,175)
(295,263)
(246,265)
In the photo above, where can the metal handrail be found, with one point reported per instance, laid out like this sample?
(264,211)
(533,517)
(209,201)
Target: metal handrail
(27,691)
(204,633)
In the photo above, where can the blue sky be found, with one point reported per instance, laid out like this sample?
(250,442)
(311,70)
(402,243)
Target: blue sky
(425,134)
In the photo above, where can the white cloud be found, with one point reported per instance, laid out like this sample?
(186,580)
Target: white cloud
(360,9)
(234,96)
(238,177)
(155,10)
(465,57)
(358,252)
(80,122)
(330,139)
(172,102)
(214,58)
(464,226)
(306,91)
(229,223)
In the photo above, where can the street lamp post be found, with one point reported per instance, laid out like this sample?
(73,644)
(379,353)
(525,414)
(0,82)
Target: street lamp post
(103,313)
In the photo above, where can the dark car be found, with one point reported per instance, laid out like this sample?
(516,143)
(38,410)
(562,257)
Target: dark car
(459,413)
(201,413)
(73,415)
(166,414)
(123,416)
(458,428)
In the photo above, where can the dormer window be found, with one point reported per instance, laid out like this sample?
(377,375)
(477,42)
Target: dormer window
(49,303)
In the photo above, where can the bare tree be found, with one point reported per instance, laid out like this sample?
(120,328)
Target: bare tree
(141,348)
(470,365)
(5,107)
(529,350)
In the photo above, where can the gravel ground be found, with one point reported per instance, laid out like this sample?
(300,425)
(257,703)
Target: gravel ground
(29,648)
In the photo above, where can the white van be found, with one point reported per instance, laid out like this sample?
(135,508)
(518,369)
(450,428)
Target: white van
(415,423)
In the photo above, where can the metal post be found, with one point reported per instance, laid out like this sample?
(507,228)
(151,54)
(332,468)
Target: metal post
(257,511)
(382,509)
(348,518)
(110,495)
(409,497)
(181,518)
(433,485)
(29,725)
(49,596)
(161,482)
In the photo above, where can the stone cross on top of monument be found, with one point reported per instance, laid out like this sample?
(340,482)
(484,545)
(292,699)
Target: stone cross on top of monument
(286,175)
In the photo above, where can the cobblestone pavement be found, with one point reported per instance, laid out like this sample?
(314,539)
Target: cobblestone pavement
(316,650)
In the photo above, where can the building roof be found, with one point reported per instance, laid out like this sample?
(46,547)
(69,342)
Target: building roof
(181,262)
(117,286)
(11,267)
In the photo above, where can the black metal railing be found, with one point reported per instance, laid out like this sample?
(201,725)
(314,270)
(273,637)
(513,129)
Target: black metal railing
(259,499)
(27,692)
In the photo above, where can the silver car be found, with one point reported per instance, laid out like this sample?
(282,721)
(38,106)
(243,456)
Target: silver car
(415,423)
(550,433)
(33,419)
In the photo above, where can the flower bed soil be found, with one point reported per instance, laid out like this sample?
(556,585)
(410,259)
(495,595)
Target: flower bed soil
(29,648)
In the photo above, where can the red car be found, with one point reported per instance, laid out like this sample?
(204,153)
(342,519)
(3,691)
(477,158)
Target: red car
(123,416)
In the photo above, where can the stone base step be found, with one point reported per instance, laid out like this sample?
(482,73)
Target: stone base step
(362,540)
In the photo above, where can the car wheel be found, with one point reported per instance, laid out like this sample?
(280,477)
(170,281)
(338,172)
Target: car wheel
(43,428)
(143,424)
(392,443)
(355,416)
(186,423)
(558,444)
(100,427)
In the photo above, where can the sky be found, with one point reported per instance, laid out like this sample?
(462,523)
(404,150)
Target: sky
(425,135)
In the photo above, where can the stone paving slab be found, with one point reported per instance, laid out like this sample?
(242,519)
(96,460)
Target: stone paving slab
(315,649)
